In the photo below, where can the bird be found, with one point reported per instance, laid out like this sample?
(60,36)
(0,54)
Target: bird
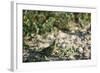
(48,50)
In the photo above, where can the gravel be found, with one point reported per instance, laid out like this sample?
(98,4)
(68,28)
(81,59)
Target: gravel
(70,46)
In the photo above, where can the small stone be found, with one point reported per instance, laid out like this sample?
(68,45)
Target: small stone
(80,50)
(73,37)
(71,57)
(76,28)
(63,45)
(72,31)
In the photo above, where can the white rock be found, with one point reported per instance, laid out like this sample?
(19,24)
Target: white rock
(73,31)
(72,57)
(80,49)
(73,37)
(63,45)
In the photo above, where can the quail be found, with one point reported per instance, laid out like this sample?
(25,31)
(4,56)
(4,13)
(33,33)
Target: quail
(48,50)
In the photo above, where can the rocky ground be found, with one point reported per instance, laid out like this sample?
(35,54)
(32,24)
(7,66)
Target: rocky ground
(69,45)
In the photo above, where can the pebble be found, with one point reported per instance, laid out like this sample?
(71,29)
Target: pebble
(71,57)
(63,45)
(80,50)
(73,37)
